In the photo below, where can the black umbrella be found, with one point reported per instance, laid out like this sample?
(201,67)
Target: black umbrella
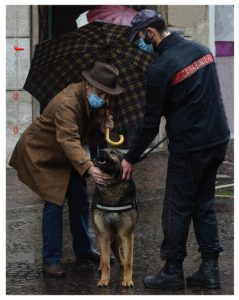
(59,62)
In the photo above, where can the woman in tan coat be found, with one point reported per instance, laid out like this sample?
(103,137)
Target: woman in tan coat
(50,159)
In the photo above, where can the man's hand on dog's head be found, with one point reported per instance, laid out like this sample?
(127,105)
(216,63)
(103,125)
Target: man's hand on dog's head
(98,176)
(127,170)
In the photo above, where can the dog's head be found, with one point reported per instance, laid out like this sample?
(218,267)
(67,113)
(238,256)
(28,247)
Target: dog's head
(109,161)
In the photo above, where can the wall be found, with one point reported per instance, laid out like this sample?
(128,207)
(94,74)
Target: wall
(191,20)
(224,23)
(224,40)
(19,113)
(225,70)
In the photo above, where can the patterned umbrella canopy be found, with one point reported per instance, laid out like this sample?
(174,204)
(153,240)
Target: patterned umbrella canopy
(59,62)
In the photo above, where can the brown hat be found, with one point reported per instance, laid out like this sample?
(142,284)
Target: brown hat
(104,77)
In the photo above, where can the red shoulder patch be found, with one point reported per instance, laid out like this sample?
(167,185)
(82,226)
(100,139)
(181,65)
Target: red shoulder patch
(192,68)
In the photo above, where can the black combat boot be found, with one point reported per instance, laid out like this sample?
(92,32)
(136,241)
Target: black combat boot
(170,277)
(207,275)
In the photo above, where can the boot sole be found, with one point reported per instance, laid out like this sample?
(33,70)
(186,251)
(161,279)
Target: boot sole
(175,287)
(204,285)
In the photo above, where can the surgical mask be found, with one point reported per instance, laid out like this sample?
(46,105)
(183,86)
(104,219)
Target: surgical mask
(95,101)
(143,46)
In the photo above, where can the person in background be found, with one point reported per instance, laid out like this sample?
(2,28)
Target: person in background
(183,86)
(50,158)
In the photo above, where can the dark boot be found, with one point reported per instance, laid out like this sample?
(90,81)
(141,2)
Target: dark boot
(207,275)
(170,277)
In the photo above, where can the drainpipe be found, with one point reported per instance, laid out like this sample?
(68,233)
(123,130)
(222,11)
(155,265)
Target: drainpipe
(211,29)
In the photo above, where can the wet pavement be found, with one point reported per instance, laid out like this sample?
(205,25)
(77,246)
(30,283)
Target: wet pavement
(24,213)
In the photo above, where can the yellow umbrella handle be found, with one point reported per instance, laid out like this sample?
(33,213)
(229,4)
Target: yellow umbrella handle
(109,141)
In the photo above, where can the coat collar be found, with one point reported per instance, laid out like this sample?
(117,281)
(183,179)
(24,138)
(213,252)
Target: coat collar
(168,42)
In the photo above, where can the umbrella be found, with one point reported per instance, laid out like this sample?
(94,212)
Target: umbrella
(59,62)
(113,14)
(82,19)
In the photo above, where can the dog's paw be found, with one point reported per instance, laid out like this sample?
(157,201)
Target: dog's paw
(127,283)
(103,283)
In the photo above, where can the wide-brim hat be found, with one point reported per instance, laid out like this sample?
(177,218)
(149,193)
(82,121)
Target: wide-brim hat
(104,77)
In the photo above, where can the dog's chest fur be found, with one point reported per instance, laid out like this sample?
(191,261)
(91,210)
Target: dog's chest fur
(117,194)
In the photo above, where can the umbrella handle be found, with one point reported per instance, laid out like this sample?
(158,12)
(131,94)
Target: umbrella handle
(109,141)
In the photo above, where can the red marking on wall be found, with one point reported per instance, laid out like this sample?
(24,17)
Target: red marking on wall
(18,48)
(15,96)
(15,130)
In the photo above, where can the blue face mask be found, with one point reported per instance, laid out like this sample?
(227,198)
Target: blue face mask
(143,46)
(95,101)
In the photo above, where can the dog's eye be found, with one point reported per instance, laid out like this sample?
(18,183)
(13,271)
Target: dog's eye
(112,152)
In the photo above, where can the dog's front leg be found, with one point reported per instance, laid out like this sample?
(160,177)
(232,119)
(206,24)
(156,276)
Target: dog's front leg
(104,241)
(128,245)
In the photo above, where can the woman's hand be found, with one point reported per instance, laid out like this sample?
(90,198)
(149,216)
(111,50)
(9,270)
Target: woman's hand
(98,176)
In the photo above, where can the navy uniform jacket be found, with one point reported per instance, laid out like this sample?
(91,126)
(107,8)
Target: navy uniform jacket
(182,86)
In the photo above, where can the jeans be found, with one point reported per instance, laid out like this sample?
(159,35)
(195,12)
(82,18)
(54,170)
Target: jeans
(52,223)
(189,196)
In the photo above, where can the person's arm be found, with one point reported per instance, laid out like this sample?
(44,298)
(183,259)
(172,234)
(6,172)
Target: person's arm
(149,126)
(155,98)
(68,136)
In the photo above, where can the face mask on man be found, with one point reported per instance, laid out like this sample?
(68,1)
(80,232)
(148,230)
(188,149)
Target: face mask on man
(95,101)
(143,46)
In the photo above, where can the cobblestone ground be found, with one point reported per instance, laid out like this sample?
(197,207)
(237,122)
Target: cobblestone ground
(24,210)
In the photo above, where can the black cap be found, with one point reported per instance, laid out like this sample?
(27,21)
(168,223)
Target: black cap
(143,18)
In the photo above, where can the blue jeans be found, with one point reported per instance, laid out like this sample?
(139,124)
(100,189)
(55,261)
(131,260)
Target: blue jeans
(52,223)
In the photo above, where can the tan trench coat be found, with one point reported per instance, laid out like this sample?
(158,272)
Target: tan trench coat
(52,144)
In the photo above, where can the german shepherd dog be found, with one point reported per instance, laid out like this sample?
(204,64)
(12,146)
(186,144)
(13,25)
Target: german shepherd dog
(115,212)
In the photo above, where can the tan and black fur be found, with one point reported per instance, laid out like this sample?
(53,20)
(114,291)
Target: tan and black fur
(114,229)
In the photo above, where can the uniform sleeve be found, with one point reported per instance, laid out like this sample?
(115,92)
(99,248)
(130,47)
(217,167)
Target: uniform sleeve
(149,127)
(68,136)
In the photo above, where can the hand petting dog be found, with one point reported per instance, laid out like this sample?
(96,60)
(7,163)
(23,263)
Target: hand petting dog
(98,176)
(127,170)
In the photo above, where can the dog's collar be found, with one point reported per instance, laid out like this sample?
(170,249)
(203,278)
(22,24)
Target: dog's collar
(114,208)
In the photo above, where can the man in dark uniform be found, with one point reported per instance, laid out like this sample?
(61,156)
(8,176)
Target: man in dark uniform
(183,86)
